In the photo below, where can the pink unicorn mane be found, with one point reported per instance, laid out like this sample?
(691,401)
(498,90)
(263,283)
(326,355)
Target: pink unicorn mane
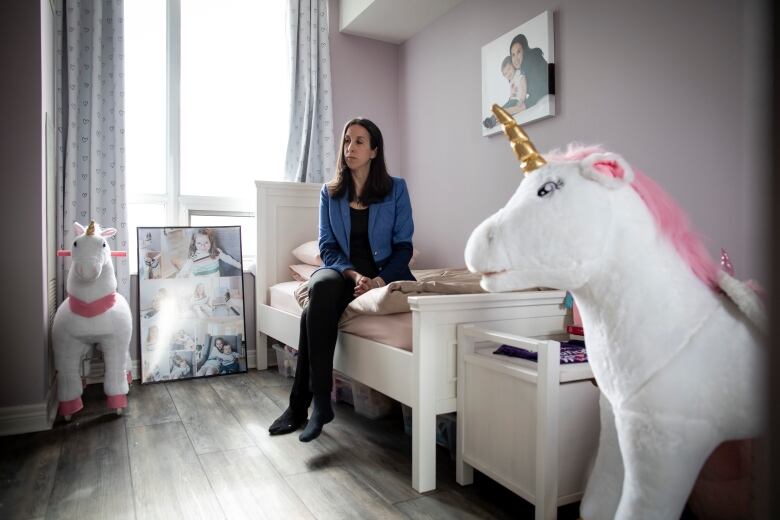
(668,216)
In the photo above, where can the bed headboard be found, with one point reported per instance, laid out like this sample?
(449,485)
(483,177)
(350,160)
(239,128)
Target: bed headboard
(287,216)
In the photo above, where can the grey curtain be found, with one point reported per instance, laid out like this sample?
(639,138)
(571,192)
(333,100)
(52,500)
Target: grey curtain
(310,155)
(90,125)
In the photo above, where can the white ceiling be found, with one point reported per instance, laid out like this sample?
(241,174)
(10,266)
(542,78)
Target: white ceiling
(392,21)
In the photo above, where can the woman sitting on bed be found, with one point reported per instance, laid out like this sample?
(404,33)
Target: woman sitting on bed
(365,239)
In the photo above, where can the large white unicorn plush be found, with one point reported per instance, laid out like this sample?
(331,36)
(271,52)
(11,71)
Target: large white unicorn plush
(93,313)
(674,343)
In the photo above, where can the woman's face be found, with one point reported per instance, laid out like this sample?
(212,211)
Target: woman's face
(202,243)
(357,147)
(517,55)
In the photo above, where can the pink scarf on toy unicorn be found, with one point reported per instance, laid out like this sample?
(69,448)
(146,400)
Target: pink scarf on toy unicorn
(88,310)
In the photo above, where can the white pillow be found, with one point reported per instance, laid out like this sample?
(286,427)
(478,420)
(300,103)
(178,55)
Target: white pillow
(308,253)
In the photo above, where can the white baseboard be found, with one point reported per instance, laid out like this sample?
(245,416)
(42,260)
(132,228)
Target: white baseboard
(28,418)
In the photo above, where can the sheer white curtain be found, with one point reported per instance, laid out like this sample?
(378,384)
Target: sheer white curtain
(90,125)
(310,149)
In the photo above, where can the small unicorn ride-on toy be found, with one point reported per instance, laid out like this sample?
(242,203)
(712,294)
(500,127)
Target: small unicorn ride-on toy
(93,313)
(675,344)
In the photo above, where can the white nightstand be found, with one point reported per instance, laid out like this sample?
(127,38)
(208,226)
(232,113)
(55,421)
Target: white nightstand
(531,426)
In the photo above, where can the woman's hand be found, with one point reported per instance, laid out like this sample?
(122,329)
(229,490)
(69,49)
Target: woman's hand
(363,284)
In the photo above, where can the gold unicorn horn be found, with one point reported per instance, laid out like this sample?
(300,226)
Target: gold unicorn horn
(524,149)
(90,228)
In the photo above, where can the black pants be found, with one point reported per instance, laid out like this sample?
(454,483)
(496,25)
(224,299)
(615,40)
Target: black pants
(329,295)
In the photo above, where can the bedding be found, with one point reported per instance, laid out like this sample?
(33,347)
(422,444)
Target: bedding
(383,314)
(392,298)
(394,330)
(282,296)
(302,272)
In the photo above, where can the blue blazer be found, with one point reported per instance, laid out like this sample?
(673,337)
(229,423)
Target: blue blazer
(390,230)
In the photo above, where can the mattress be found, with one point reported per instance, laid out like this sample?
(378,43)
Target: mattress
(283,297)
(394,330)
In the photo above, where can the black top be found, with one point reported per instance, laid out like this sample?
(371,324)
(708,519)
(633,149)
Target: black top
(360,254)
(534,67)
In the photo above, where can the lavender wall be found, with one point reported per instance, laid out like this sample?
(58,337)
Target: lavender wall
(24,329)
(662,83)
(365,84)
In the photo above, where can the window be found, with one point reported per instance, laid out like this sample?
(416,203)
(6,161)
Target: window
(207,111)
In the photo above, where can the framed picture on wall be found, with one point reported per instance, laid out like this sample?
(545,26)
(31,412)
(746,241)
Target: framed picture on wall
(518,73)
(190,302)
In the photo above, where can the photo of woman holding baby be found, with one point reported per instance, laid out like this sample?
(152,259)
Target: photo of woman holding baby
(517,74)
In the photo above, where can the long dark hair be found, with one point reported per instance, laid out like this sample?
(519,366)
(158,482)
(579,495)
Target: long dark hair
(534,68)
(533,54)
(378,184)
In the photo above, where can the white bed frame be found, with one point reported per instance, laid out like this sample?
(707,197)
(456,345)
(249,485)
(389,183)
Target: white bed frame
(424,379)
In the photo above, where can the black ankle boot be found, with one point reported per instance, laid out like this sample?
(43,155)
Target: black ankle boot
(322,415)
(288,422)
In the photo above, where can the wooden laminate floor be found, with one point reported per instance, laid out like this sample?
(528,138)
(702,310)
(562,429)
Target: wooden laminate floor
(201,449)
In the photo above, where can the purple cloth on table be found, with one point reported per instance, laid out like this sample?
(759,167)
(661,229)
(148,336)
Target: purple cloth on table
(572,351)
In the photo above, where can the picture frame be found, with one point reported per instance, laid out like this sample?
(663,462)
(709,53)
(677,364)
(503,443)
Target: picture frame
(191,315)
(518,73)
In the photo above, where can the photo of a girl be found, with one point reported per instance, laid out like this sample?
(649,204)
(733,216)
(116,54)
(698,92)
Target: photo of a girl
(192,314)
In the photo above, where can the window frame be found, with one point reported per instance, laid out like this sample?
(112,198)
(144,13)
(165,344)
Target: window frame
(173,111)
(177,207)
(206,206)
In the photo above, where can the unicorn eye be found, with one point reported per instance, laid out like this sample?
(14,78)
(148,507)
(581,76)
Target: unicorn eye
(104,244)
(75,244)
(549,187)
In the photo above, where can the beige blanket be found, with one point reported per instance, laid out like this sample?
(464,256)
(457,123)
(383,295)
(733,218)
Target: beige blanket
(392,298)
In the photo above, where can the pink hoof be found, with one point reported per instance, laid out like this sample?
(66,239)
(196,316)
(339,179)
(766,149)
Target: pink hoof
(68,408)
(129,377)
(116,401)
